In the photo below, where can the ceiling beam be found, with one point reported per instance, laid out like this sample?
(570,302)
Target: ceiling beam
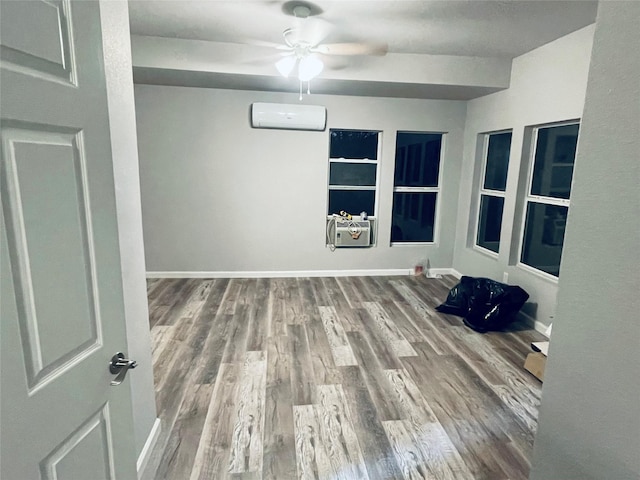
(229,65)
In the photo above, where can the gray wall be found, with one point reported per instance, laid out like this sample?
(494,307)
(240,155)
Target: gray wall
(219,196)
(117,50)
(589,425)
(547,85)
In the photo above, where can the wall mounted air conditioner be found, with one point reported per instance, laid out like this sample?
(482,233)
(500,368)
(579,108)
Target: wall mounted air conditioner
(288,117)
(352,234)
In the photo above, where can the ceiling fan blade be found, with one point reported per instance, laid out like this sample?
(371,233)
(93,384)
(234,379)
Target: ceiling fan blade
(335,62)
(379,49)
(263,43)
(262,60)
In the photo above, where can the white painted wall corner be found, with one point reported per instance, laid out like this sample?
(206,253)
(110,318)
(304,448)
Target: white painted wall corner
(453,271)
(533,323)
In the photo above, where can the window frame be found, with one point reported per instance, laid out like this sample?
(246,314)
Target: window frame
(541,199)
(437,189)
(489,192)
(362,161)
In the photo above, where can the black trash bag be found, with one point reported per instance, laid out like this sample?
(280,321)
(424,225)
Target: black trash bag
(484,303)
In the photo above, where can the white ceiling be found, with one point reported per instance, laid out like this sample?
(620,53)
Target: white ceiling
(493,29)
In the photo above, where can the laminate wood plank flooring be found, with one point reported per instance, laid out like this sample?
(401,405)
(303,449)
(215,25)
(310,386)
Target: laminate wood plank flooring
(337,337)
(347,378)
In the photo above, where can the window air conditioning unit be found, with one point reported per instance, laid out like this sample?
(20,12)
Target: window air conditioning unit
(352,234)
(288,117)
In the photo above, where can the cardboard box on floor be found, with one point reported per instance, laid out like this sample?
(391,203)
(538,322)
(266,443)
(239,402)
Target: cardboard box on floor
(536,361)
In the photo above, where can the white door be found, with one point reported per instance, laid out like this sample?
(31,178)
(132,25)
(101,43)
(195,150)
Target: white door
(61,290)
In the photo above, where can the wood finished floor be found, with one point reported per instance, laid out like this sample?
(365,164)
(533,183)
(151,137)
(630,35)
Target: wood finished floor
(334,378)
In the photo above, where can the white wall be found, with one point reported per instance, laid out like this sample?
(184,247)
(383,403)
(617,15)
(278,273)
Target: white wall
(117,51)
(547,85)
(589,425)
(220,196)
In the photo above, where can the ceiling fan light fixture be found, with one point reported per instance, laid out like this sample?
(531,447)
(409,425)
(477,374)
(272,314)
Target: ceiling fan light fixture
(309,67)
(285,65)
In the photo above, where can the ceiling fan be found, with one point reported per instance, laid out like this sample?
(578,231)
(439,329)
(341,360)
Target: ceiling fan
(303,50)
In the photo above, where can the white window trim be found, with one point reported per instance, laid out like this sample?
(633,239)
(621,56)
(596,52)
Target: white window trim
(415,189)
(487,191)
(409,244)
(437,190)
(538,273)
(529,198)
(352,187)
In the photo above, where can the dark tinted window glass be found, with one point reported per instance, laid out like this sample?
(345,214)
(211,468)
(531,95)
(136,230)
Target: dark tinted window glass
(553,167)
(352,174)
(417,159)
(352,201)
(413,217)
(544,236)
(490,221)
(495,177)
(353,144)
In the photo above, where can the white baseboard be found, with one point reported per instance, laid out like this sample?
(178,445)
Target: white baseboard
(532,322)
(299,273)
(143,458)
(454,272)
(540,327)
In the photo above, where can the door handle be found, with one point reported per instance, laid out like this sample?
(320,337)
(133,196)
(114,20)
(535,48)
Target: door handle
(119,366)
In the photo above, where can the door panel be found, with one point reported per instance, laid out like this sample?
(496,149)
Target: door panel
(50,223)
(46,54)
(61,284)
(87,451)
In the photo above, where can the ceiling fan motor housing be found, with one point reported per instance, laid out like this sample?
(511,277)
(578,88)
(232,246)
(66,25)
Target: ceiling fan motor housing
(301,11)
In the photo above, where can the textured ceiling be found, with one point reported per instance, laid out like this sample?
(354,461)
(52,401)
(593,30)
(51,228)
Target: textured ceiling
(448,49)
(467,27)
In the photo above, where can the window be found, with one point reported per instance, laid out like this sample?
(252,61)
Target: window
(495,166)
(353,171)
(547,196)
(416,187)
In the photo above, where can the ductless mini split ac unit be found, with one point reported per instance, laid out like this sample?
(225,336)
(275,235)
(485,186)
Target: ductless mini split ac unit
(288,117)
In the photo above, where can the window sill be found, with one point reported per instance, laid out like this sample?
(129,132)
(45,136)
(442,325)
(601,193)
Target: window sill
(485,251)
(411,244)
(355,218)
(353,160)
(538,273)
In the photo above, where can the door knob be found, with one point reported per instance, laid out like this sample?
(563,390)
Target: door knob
(119,366)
